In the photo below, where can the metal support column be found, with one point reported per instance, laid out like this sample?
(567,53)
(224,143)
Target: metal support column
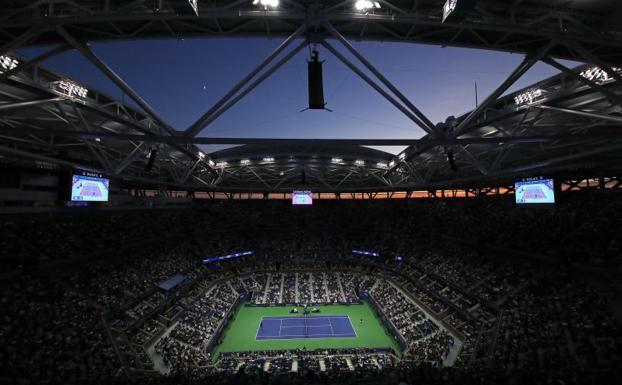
(614,98)
(129,159)
(21,39)
(617,119)
(32,62)
(116,79)
(375,86)
(10,106)
(523,67)
(590,57)
(209,119)
(428,125)
(204,120)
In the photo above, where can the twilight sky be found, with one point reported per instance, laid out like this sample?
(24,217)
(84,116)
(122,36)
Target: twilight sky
(182,79)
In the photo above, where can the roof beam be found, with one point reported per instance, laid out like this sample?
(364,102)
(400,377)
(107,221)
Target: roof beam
(611,118)
(428,143)
(373,84)
(522,68)
(428,126)
(213,112)
(116,79)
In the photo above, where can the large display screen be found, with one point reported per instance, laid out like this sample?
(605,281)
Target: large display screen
(535,191)
(87,186)
(302,198)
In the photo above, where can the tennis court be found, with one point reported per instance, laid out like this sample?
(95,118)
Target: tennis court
(283,328)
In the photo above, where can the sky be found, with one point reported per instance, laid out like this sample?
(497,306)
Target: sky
(182,79)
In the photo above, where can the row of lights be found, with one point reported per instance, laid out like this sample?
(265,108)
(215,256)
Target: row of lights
(598,75)
(529,96)
(7,63)
(595,74)
(245,162)
(359,5)
(69,88)
(65,86)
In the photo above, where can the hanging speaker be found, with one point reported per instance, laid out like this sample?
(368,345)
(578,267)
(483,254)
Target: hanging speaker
(316,86)
(451,161)
(152,157)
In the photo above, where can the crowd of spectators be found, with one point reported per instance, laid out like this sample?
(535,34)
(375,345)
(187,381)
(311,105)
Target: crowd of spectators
(516,321)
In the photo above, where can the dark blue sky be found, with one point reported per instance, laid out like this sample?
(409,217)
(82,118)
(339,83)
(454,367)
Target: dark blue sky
(182,79)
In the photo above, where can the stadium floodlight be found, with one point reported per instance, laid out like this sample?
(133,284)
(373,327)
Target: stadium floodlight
(268,159)
(392,163)
(402,156)
(336,160)
(364,5)
(267,3)
(449,8)
(211,163)
(7,63)
(529,96)
(245,161)
(368,253)
(222,164)
(69,88)
(359,162)
(381,165)
(201,155)
(195,7)
(598,75)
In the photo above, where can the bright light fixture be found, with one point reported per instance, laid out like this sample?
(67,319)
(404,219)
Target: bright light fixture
(381,165)
(201,155)
(245,161)
(222,164)
(359,162)
(7,63)
(69,88)
(364,5)
(392,163)
(598,75)
(211,163)
(529,97)
(449,8)
(336,160)
(268,159)
(267,3)
(402,156)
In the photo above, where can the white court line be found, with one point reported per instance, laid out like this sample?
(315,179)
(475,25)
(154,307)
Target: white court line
(352,326)
(304,335)
(309,317)
(296,336)
(308,326)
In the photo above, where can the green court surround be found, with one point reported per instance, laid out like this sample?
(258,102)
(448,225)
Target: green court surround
(239,334)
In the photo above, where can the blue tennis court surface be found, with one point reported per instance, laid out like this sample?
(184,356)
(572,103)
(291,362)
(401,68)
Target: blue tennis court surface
(281,328)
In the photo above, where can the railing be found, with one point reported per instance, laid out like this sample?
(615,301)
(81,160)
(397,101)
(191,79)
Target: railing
(391,328)
(215,340)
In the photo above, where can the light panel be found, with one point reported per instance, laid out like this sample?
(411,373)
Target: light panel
(267,3)
(69,88)
(598,75)
(529,96)
(364,5)
(7,63)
